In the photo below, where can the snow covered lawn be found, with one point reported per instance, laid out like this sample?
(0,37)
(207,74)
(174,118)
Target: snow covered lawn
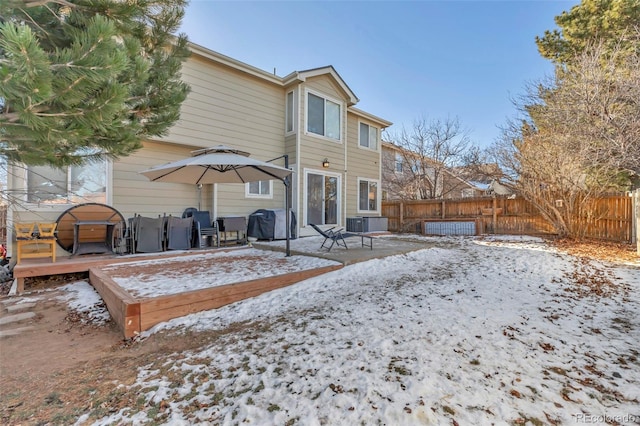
(158,277)
(475,331)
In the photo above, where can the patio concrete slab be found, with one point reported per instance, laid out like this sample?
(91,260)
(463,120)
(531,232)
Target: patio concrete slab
(383,246)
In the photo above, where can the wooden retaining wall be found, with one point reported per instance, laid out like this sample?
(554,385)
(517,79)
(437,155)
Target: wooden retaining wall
(136,315)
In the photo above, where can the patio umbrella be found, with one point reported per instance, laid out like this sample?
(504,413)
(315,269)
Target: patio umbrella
(221,164)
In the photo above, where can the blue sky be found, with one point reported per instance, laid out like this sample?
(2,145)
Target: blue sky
(404,60)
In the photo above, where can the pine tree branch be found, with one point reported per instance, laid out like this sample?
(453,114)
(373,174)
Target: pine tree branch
(35,24)
(37,3)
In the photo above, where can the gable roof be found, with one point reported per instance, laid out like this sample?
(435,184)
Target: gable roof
(301,76)
(294,77)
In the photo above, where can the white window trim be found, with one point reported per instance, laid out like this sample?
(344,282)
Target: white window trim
(294,126)
(61,207)
(395,164)
(378,195)
(306,116)
(268,196)
(378,136)
(338,200)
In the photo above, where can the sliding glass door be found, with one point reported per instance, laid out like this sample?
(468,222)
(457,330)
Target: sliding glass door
(323,199)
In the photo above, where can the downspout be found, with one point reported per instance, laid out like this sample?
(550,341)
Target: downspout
(299,186)
(346,168)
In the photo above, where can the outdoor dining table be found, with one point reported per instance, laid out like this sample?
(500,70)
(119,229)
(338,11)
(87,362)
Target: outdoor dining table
(99,245)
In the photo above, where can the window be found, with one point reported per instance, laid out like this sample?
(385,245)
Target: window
(323,117)
(468,193)
(290,113)
(367,195)
(398,167)
(368,136)
(260,189)
(73,184)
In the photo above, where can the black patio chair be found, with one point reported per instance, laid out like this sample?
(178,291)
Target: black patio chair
(179,231)
(337,236)
(148,234)
(204,229)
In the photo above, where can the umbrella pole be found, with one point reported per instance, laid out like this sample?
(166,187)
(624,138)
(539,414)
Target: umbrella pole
(287,196)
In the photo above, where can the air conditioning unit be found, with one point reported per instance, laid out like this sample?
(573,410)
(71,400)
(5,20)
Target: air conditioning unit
(367,224)
(355,224)
(375,224)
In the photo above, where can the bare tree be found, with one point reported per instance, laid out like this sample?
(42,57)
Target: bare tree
(424,159)
(578,137)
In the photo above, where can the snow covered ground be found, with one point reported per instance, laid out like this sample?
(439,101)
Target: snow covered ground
(157,277)
(472,331)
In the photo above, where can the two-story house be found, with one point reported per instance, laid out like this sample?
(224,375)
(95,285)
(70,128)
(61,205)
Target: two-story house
(334,150)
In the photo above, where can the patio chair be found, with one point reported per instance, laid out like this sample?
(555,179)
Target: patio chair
(179,231)
(204,229)
(35,240)
(121,241)
(337,236)
(148,234)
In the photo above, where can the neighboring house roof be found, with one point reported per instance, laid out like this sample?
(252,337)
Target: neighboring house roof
(451,175)
(484,176)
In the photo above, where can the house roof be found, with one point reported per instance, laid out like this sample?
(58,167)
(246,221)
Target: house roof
(300,76)
(234,63)
(292,78)
(384,123)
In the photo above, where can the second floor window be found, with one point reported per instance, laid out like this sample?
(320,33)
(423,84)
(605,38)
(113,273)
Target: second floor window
(323,117)
(368,136)
(290,112)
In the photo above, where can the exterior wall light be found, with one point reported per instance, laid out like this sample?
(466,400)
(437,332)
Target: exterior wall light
(325,163)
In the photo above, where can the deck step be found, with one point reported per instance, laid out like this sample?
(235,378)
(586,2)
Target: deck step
(14,331)
(11,319)
(20,307)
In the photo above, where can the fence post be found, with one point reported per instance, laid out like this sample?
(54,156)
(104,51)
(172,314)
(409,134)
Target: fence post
(494,219)
(636,222)
(401,218)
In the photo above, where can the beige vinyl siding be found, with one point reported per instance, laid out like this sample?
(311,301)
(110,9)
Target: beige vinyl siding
(134,193)
(233,108)
(362,163)
(231,200)
(229,107)
(326,85)
(315,148)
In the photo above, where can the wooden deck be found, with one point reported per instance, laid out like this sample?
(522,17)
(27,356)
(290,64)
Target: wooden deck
(29,268)
(134,315)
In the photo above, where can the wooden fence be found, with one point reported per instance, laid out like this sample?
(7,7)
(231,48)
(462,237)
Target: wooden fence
(612,221)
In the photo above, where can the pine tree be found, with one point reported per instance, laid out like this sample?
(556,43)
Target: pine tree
(82,79)
(612,22)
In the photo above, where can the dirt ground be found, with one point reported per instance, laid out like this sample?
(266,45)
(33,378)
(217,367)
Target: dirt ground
(63,366)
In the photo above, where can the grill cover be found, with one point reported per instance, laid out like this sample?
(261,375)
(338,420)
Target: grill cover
(266,224)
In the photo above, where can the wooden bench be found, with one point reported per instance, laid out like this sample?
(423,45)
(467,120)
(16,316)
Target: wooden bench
(35,240)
